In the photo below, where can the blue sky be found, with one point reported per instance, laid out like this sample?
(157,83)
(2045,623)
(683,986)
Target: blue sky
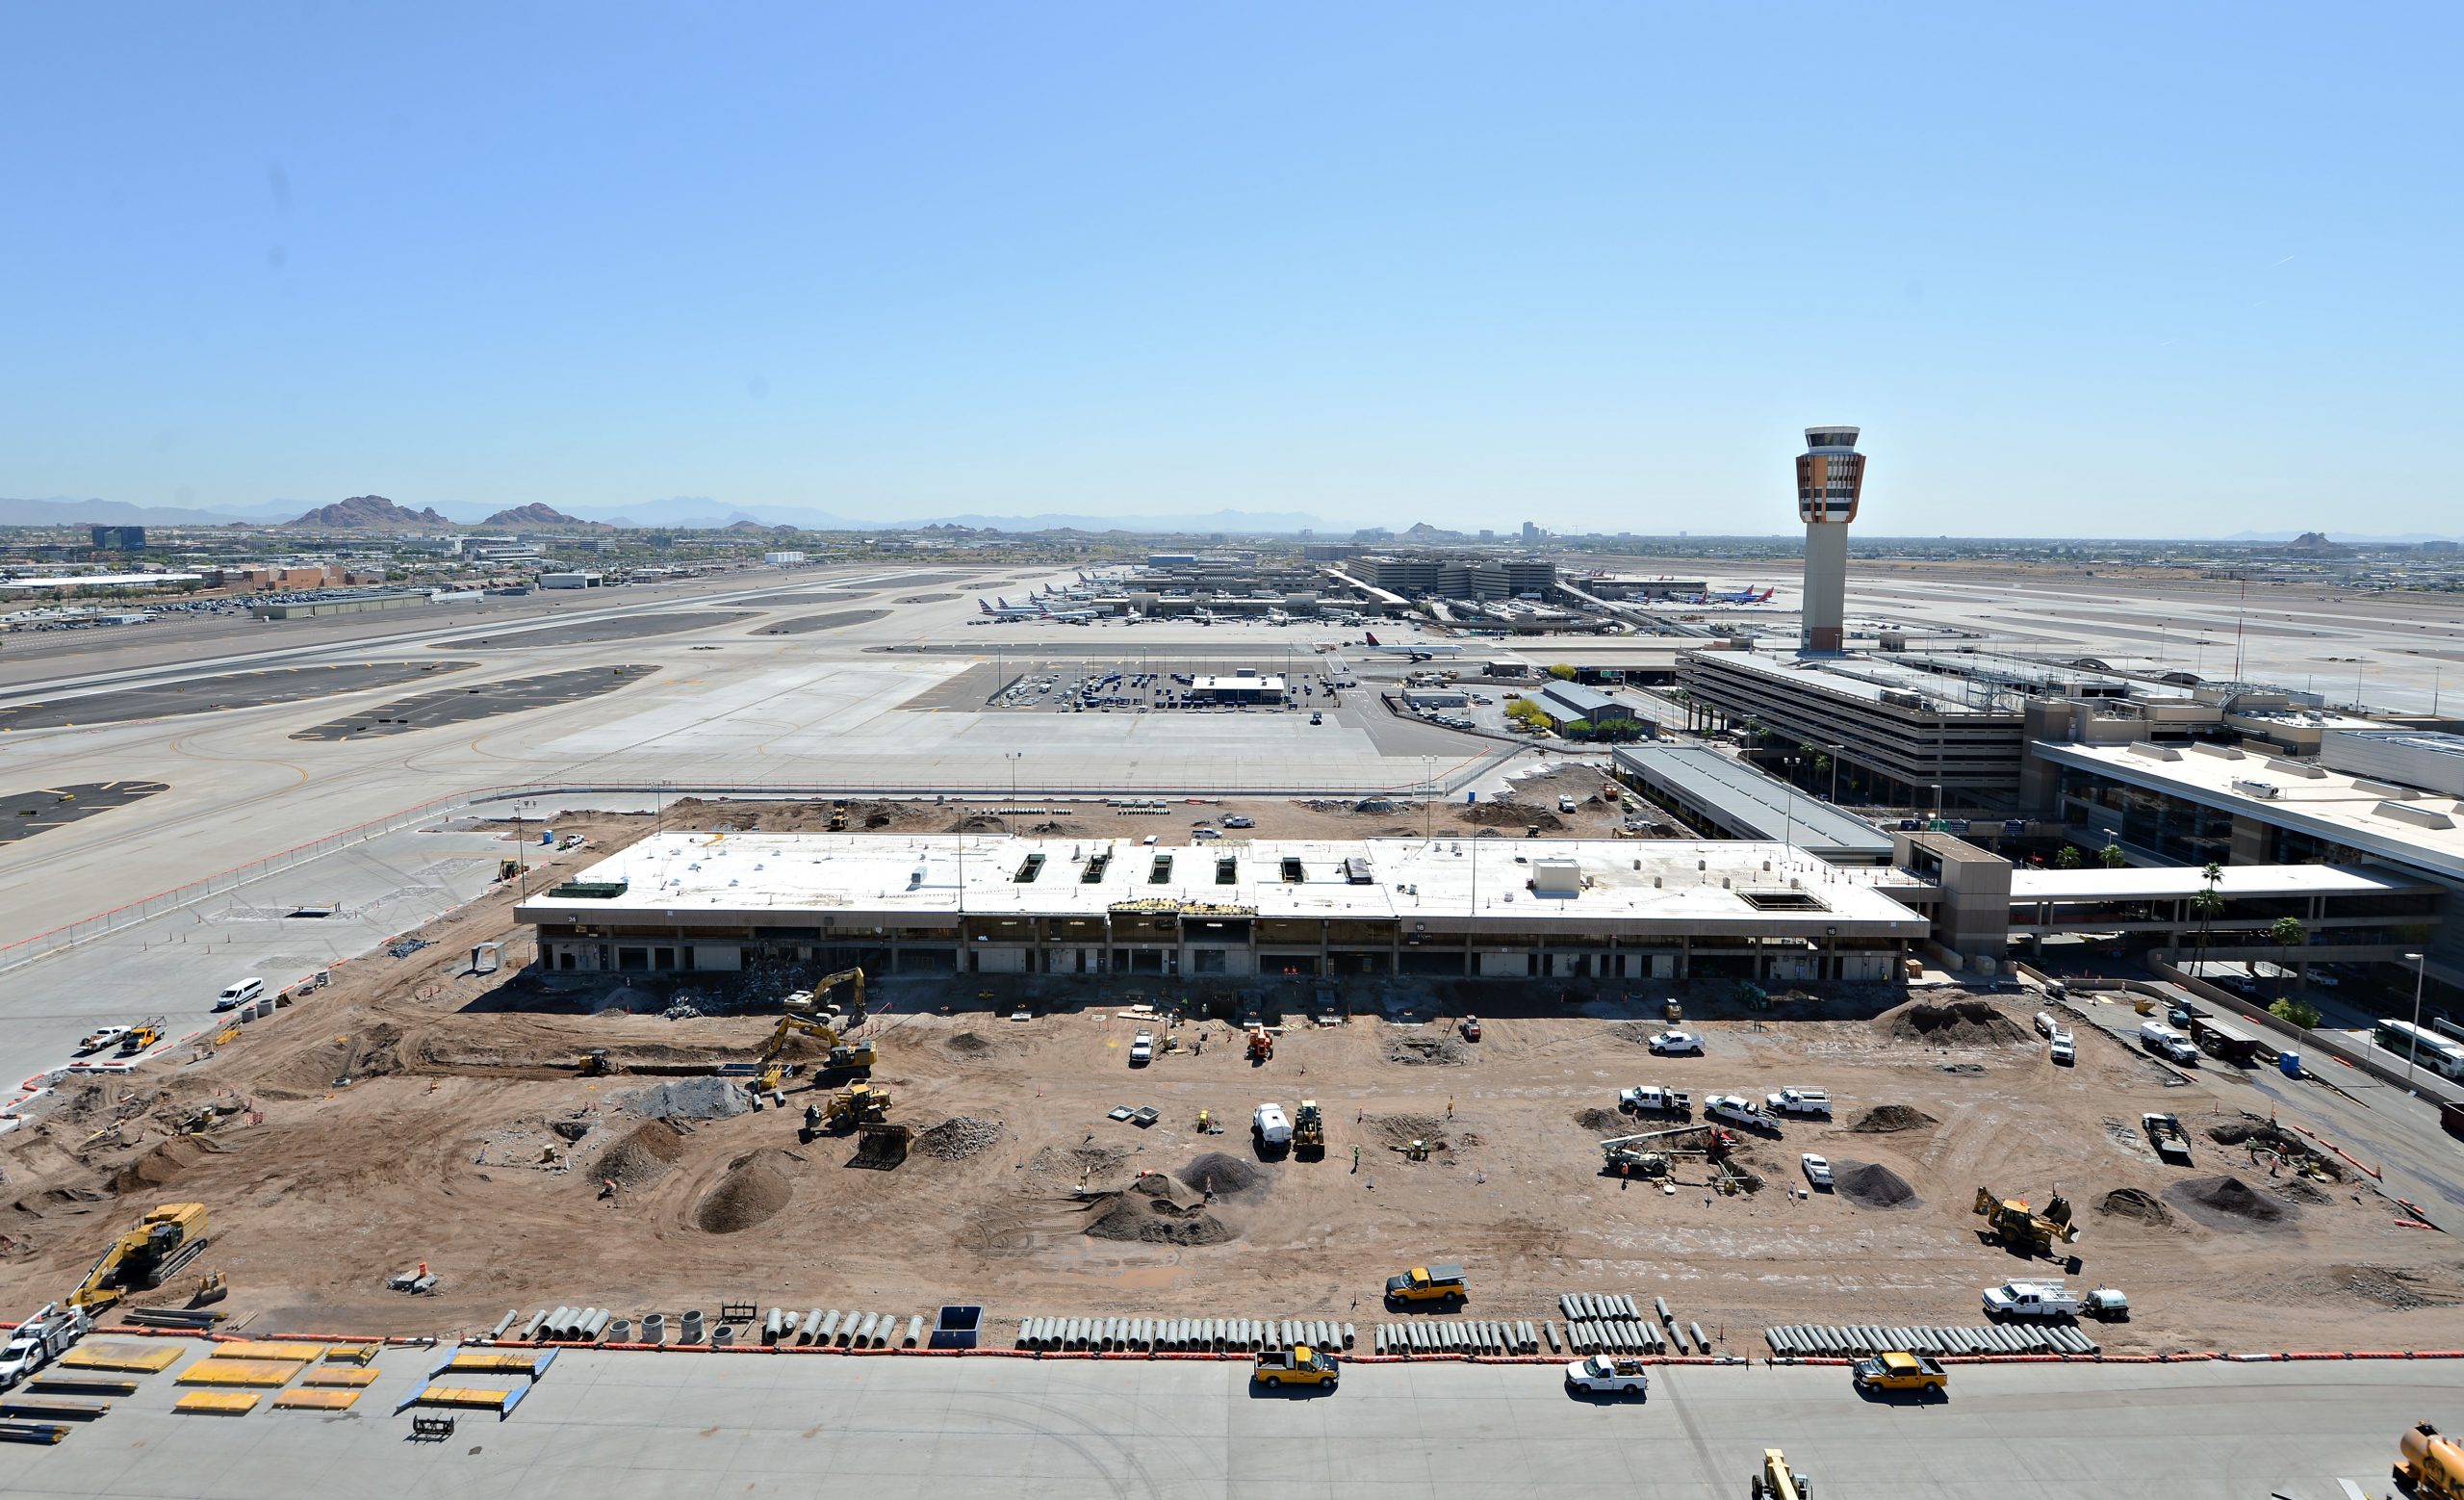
(2138,271)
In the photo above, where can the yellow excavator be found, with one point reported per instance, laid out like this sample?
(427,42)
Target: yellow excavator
(145,1256)
(799,1018)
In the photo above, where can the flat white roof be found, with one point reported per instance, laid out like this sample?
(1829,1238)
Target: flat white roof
(1628,885)
(2162,881)
(1216,682)
(2331,805)
(103,581)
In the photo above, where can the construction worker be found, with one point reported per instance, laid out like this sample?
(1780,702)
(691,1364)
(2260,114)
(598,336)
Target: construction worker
(1356,1159)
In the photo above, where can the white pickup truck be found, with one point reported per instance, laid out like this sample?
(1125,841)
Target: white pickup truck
(1655,1101)
(2031,1300)
(1799,1101)
(39,1340)
(1738,1109)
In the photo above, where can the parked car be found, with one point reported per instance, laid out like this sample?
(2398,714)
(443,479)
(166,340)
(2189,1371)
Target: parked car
(1141,1049)
(1678,1043)
(1610,1375)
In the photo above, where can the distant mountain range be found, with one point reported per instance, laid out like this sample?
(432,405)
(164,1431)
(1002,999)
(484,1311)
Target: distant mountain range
(371,513)
(2344,538)
(681,513)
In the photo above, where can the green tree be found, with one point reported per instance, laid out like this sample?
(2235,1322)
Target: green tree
(1522,710)
(2068,858)
(2299,1013)
(1562,672)
(2110,857)
(2207,906)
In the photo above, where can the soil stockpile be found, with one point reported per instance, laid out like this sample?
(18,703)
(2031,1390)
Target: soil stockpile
(1602,1122)
(1872,1185)
(689,1099)
(966,1044)
(2223,1203)
(2132,1203)
(1890,1119)
(642,1157)
(1225,1176)
(958,1138)
(157,1167)
(1413,1052)
(1954,1023)
(1157,1221)
(756,1187)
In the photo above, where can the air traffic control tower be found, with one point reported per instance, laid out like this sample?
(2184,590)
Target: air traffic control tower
(1831,474)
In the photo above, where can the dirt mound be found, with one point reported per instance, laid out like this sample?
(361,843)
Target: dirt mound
(2301,1190)
(642,1157)
(688,1098)
(1072,1160)
(370,1053)
(2132,1203)
(966,1044)
(2223,1203)
(1404,1129)
(1870,1184)
(1956,1024)
(958,1138)
(1639,1032)
(1602,1122)
(157,1167)
(1226,1176)
(1512,814)
(756,1186)
(1428,1050)
(1890,1119)
(1157,1221)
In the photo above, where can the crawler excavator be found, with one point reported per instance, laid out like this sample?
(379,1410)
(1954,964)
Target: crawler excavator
(797,1020)
(145,1256)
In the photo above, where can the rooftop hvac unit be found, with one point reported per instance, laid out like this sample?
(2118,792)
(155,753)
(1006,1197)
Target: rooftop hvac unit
(2264,790)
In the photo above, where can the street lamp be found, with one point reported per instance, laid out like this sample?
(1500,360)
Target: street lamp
(2413,1043)
(1938,801)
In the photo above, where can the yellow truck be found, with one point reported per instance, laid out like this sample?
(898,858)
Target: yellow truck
(1442,1283)
(1299,1365)
(2430,1466)
(1893,1373)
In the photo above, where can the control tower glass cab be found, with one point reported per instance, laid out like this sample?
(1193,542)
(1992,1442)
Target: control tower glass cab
(1831,475)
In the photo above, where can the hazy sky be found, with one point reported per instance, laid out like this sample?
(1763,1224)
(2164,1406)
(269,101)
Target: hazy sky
(2145,270)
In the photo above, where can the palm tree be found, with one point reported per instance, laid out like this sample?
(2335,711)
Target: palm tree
(2207,906)
(2289,934)
(2110,857)
(2067,858)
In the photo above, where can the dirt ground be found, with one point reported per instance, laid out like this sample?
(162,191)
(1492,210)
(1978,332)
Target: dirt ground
(463,1137)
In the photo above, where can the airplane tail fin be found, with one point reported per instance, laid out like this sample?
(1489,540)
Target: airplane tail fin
(1372,636)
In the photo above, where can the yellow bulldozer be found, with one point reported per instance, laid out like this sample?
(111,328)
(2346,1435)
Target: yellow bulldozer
(2021,1229)
(854,1107)
(145,1256)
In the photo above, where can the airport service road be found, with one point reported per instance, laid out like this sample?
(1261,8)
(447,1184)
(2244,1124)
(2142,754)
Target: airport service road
(660,1426)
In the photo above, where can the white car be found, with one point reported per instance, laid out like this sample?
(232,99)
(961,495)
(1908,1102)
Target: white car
(1817,1169)
(1608,1374)
(1673,1043)
(1141,1049)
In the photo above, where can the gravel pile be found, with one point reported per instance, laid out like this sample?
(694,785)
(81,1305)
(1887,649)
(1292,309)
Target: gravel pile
(2223,1203)
(756,1187)
(1441,1052)
(1157,1221)
(958,1138)
(642,1157)
(1956,1024)
(1887,1119)
(1873,1185)
(1226,1176)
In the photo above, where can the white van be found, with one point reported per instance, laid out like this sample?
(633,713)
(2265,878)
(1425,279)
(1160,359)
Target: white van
(240,995)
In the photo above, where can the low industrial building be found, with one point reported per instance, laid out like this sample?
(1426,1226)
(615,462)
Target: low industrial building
(1721,794)
(347,604)
(1580,712)
(1243,686)
(1522,909)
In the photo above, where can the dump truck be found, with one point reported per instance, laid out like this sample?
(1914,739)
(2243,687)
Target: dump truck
(1443,1283)
(1309,1131)
(2429,1465)
(1779,1482)
(2021,1229)
(1901,1371)
(145,1257)
(2165,1132)
(1300,1365)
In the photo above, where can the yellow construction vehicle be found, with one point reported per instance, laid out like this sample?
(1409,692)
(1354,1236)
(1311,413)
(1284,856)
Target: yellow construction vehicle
(798,1019)
(1308,1130)
(838,815)
(2025,1231)
(141,1037)
(1778,1480)
(810,999)
(859,1104)
(2429,1465)
(596,1064)
(145,1256)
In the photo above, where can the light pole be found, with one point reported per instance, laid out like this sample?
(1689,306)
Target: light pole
(1938,801)
(1428,798)
(2413,1043)
(1788,831)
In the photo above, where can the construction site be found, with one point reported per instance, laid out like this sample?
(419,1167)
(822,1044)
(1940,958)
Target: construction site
(440,1131)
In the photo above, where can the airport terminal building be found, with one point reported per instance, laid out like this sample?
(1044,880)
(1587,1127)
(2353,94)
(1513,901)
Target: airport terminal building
(1487,908)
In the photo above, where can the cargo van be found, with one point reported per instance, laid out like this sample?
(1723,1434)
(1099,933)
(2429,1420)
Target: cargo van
(238,994)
